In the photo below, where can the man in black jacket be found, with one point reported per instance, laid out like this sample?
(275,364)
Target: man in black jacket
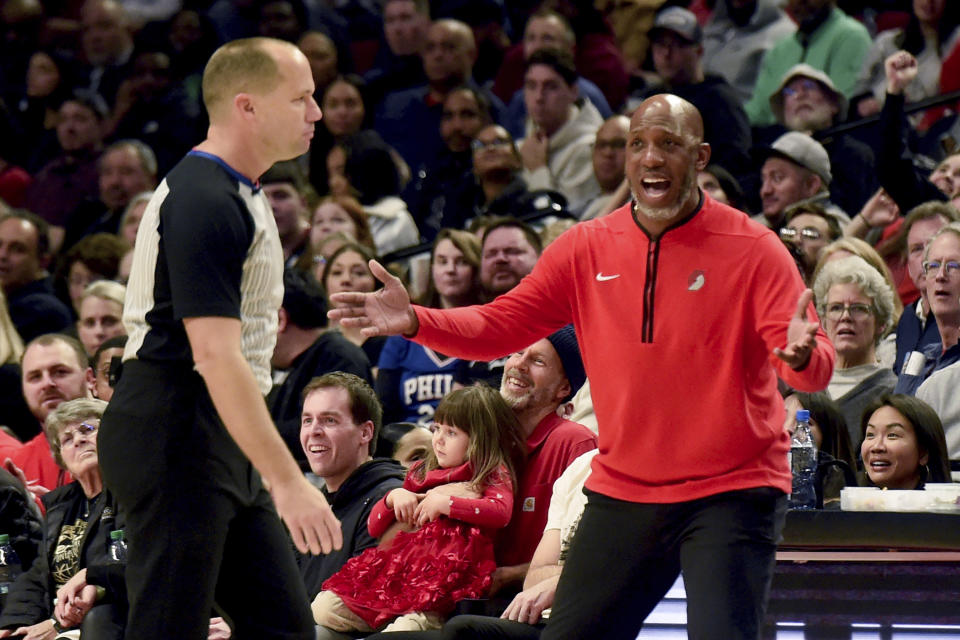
(304,350)
(339,427)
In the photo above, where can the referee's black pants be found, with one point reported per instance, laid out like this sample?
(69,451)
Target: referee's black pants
(202,530)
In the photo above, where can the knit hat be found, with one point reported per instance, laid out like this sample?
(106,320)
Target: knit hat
(680,21)
(565,343)
(802,150)
(804,70)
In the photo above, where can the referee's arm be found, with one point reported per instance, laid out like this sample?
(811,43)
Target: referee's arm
(215,342)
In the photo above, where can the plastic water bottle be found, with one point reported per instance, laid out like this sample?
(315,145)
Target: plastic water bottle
(10,567)
(803,464)
(117,552)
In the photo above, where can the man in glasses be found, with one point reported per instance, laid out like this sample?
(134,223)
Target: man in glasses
(809,229)
(808,101)
(609,152)
(941,278)
(499,189)
(795,168)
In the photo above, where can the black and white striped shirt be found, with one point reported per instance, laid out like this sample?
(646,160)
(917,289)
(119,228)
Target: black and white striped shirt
(207,247)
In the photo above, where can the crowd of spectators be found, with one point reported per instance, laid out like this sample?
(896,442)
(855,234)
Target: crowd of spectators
(457,140)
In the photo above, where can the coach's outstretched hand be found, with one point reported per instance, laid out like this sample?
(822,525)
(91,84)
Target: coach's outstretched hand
(380,313)
(801,335)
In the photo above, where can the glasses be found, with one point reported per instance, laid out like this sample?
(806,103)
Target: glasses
(857,310)
(950,267)
(806,84)
(807,233)
(496,143)
(84,429)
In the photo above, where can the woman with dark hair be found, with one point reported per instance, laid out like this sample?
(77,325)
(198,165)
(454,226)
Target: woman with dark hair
(835,459)
(930,35)
(363,166)
(345,106)
(903,444)
(346,111)
(50,79)
(412,379)
(95,257)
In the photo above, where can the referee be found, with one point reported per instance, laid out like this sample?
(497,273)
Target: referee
(187,430)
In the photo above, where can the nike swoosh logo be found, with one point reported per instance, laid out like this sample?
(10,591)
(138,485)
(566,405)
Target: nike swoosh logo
(603,278)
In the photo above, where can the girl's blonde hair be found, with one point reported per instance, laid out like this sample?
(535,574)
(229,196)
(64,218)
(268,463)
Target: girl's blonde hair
(11,345)
(494,431)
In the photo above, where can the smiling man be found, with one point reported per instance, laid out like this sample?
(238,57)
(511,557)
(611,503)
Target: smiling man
(201,313)
(338,431)
(673,297)
(537,381)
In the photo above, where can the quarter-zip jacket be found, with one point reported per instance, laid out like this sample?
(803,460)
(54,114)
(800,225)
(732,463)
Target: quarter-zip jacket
(677,335)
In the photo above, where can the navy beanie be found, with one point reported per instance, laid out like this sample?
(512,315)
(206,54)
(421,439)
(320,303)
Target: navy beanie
(565,342)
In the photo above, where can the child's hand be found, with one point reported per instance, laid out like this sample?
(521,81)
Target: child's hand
(432,507)
(404,503)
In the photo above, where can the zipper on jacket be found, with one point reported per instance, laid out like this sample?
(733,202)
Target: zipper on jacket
(649,288)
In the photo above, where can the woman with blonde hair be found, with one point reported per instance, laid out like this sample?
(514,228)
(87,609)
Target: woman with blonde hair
(100,314)
(855,304)
(14,412)
(846,247)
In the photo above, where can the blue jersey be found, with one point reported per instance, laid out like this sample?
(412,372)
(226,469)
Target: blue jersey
(412,380)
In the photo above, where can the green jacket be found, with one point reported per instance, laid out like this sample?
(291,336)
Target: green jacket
(837,47)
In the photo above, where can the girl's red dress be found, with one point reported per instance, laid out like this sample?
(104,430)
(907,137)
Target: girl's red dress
(432,568)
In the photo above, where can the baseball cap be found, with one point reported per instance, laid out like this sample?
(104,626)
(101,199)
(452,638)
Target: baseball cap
(680,21)
(803,150)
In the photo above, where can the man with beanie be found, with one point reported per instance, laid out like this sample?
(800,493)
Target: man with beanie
(304,351)
(536,383)
(796,169)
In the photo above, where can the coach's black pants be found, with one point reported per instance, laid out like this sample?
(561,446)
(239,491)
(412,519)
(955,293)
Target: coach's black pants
(625,556)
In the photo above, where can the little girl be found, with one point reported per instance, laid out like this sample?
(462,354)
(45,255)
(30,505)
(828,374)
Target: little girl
(416,579)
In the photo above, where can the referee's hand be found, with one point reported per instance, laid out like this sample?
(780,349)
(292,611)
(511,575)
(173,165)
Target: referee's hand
(308,517)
